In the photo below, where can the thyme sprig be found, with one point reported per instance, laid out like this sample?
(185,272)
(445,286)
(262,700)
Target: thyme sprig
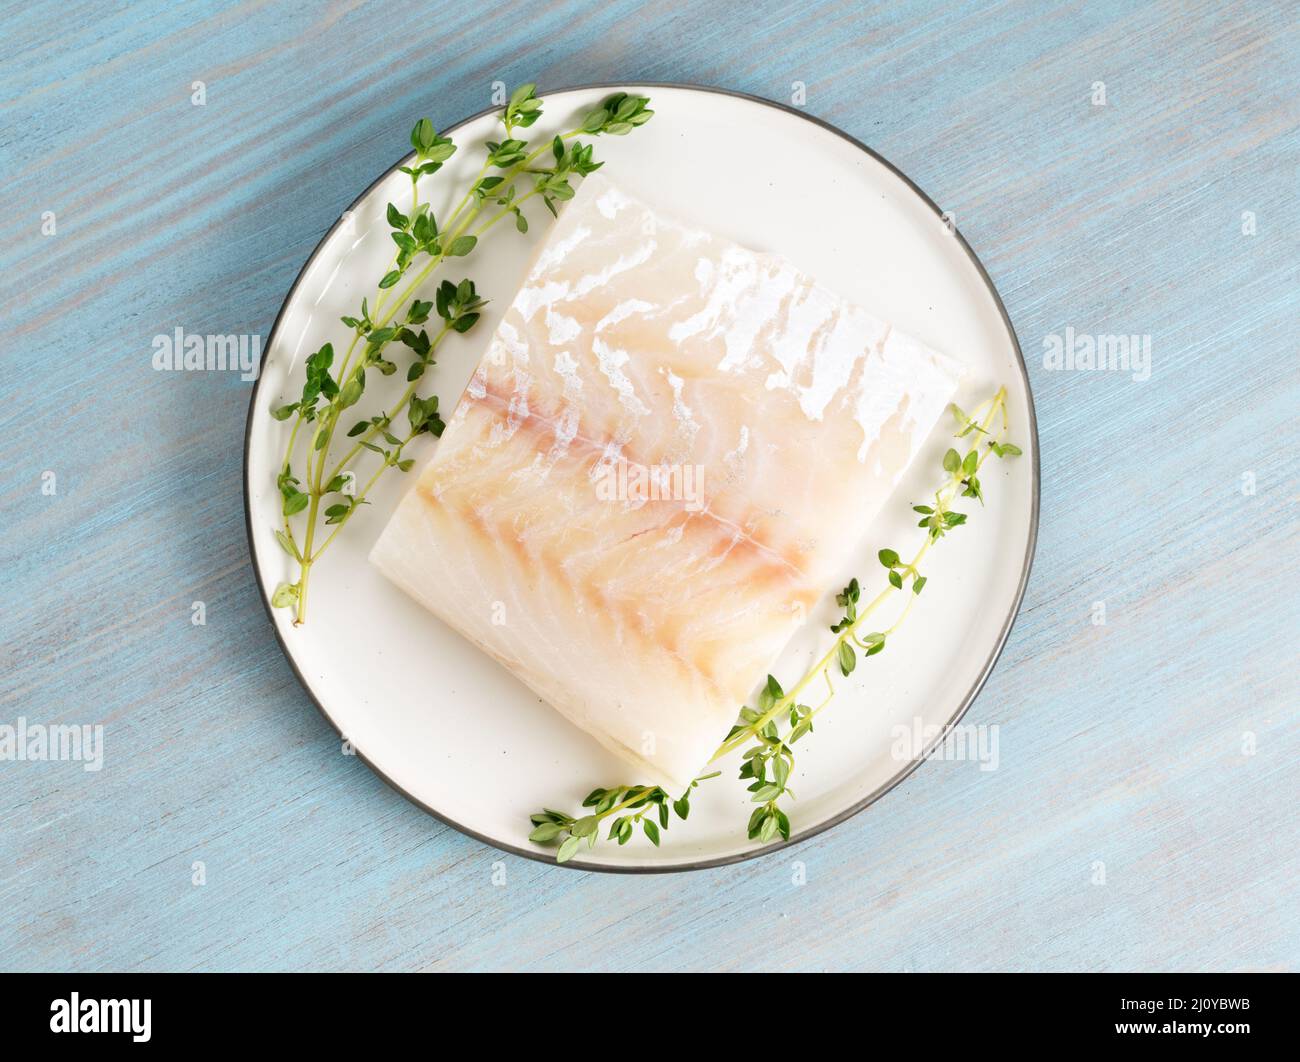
(320,493)
(779,719)
(638,800)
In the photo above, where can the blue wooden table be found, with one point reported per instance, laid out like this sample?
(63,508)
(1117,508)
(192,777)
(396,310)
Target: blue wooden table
(1122,171)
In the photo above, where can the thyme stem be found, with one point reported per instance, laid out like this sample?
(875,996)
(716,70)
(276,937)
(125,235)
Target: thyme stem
(326,394)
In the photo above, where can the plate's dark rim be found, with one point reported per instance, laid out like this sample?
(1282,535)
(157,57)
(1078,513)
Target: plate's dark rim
(543,856)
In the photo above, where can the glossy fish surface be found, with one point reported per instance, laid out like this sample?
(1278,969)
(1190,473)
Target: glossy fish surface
(670,448)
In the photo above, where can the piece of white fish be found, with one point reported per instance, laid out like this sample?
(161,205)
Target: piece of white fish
(670,447)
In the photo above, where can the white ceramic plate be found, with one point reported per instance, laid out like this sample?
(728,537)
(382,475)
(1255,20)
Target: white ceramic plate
(455,732)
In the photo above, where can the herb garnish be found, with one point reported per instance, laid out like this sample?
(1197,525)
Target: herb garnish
(318,493)
(778,719)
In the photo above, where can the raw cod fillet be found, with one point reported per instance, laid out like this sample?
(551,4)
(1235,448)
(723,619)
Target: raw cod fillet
(670,447)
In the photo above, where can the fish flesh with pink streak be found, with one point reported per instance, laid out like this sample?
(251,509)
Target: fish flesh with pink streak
(670,447)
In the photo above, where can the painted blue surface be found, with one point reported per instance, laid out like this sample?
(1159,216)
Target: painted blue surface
(1161,744)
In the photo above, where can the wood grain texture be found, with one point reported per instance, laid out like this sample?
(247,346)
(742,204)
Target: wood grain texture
(1121,744)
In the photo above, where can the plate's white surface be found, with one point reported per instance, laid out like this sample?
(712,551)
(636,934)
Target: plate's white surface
(452,728)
